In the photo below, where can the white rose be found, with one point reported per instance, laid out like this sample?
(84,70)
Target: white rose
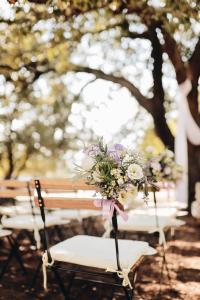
(88,163)
(134,172)
(167,170)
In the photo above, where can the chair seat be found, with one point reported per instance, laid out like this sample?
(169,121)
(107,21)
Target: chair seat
(161,211)
(147,223)
(28,222)
(99,252)
(17,210)
(4,233)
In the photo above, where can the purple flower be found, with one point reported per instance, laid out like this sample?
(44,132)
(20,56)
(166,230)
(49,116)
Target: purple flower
(113,154)
(92,150)
(119,147)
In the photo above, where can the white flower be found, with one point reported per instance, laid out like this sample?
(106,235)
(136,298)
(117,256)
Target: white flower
(120,181)
(169,153)
(167,170)
(135,172)
(156,166)
(88,163)
(115,172)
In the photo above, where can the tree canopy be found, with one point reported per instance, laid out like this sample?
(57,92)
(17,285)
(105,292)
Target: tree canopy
(123,42)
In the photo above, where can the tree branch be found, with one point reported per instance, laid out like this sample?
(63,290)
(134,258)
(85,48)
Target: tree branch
(171,48)
(142,100)
(158,114)
(157,73)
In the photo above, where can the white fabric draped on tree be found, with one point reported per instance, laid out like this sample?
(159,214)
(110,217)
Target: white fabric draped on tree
(187,128)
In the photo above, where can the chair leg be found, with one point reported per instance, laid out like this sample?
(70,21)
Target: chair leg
(29,235)
(70,283)
(15,247)
(61,284)
(6,263)
(35,276)
(127,294)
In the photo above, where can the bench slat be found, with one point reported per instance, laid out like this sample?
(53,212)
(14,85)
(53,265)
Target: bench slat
(13,184)
(65,184)
(69,203)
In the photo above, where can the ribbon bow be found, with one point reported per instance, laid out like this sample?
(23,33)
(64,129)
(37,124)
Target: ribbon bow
(45,264)
(108,207)
(122,274)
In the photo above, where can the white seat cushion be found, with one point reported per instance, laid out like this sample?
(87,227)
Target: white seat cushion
(4,233)
(17,210)
(147,223)
(161,211)
(29,223)
(99,252)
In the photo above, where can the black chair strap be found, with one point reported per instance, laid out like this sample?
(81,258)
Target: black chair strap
(42,211)
(115,232)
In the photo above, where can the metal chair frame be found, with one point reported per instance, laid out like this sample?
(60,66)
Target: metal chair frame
(14,252)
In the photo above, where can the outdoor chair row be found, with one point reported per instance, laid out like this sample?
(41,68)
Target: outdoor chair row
(119,258)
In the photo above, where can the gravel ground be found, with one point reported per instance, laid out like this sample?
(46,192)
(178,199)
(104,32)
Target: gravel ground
(183,257)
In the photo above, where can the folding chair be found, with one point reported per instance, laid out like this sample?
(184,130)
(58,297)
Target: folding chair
(149,224)
(27,223)
(75,255)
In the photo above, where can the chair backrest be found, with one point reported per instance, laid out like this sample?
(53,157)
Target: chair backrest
(63,201)
(61,193)
(13,188)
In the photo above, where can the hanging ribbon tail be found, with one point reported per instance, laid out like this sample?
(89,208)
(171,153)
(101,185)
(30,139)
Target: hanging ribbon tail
(44,269)
(98,202)
(122,213)
(108,228)
(123,274)
(45,264)
(108,207)
(37,237)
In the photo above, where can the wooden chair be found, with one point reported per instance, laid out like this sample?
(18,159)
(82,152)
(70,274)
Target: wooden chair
(29,221)
(10,189)
(75,255)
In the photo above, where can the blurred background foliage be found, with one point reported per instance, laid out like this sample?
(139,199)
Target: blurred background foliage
(51,51)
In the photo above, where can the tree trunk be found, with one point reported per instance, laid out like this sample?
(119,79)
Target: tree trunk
(10,170)
(193,151)
(193,170)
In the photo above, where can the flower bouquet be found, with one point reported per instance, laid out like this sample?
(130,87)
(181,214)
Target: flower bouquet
(163,166)
(117,172)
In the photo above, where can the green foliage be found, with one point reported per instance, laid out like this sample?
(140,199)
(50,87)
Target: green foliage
(41,41)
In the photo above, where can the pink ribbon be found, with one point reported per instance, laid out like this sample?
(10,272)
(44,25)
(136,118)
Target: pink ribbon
(108,207)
